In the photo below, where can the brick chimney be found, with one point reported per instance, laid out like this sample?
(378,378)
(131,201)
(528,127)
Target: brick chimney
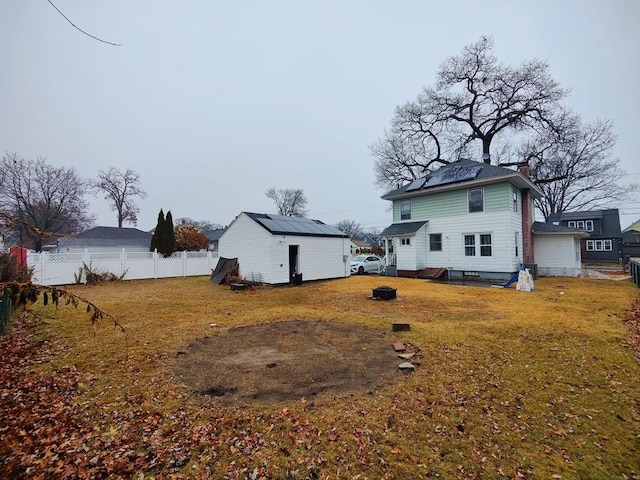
(527,218)
(527,227)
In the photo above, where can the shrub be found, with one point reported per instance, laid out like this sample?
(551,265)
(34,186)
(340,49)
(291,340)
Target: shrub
(190,238)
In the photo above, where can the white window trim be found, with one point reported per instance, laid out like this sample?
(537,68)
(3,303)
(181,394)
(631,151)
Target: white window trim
(469,199)
(599,245)
(431,244)
(410,208)
(477,244)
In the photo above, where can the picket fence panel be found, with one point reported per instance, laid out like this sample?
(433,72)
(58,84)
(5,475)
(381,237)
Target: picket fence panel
(64,268)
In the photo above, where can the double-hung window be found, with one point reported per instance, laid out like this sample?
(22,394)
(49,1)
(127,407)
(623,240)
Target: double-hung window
(469,245)
(435,242)
(581,225)
(405,210)
(599,245)
(478,245)
(475,198)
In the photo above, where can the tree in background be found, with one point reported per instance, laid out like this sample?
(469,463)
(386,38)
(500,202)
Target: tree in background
(163,239)
(190,238)
(170,235)
(574,168)
(290,202)
(203,225)
(120,189)
(40,203)
(157,232)
(516,115)
(349,227)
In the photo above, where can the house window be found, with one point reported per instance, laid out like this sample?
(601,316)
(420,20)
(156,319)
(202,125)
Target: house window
(476,200)
(485,245)
(599,245)
(478,239)
(469,245)
(581,225)
(405,210)
(435,242)
(516,241)
(515,202)
(405,241)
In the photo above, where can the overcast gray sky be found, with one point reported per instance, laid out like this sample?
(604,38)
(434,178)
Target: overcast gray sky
(213,102)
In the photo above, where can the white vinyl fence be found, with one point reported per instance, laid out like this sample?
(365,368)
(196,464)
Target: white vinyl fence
(63,268)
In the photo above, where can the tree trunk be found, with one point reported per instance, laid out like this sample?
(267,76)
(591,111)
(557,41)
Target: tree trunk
(486,155)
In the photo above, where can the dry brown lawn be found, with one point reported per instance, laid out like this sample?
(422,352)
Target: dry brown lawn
(274,383)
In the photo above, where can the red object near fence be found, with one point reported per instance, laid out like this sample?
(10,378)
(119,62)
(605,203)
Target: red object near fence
(20,254)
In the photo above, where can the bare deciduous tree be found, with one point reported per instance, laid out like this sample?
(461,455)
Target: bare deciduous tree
(120,189)
(349,227)
(40,202)
(290,202)
(203,225)
(475,98)
(574,168)
(517,116)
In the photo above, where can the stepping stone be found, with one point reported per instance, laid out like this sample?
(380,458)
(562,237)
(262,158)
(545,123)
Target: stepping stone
(406,356)
(407,366)
(399,347)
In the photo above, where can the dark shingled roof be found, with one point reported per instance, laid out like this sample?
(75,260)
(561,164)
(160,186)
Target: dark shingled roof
(306,227)
(214,234)
(609,220)
(406,228)
(541,227)
(107,236)
(463,172)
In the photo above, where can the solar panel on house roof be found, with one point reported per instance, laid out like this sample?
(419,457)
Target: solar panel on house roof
(453,174)
(416,184)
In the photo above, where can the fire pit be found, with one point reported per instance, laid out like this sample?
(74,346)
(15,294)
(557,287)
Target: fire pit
(384,293)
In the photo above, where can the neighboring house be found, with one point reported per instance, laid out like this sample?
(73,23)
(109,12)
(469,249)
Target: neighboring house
(473,219)
(214,237)
(369,238)
(631,241)
(105,239)
(557,250)
(276,249)
(359,246)
(604,243)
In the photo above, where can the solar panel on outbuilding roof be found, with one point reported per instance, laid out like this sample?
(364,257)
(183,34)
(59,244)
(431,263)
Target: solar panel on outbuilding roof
(280,224)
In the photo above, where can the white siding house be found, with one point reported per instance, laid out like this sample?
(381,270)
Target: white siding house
(275,249)
(473,219)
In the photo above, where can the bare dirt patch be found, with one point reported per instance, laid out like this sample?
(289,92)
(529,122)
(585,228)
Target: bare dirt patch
(289,360)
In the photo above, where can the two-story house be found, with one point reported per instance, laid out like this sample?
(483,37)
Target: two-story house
(472,219)
(604,243)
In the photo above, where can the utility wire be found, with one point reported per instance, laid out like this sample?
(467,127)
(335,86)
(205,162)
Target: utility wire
(75,26)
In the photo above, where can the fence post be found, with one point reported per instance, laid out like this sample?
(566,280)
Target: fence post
(184,263)
(155,263)
(122,263)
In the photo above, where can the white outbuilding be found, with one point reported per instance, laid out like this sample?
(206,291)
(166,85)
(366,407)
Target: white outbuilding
(277,249)
(557,250)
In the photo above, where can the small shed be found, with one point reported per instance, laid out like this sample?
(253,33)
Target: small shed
(277,249)
(557,249)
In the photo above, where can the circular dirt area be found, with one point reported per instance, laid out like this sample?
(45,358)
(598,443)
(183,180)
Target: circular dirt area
(289,360)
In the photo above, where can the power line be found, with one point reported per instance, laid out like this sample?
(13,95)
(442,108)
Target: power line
(75,26)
